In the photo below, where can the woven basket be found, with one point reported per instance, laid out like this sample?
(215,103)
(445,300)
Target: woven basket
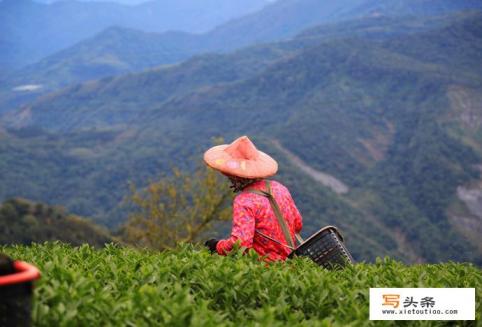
(326,248)
(16,295)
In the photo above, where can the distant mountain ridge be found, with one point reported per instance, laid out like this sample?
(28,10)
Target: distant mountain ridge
(119,50)
(198,71)
(195,72)
(31,30)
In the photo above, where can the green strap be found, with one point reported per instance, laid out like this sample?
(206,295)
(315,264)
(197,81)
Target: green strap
(277,213)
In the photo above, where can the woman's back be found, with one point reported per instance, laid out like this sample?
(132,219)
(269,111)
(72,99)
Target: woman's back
(255,224)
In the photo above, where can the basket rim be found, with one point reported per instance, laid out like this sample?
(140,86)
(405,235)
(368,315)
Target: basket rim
(331,227)
(25,272)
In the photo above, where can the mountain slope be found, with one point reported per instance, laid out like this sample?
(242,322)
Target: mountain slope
(115,51)
(237,68)
(31,30)
(286,18)
(417,7)
(107,54)
(26,222)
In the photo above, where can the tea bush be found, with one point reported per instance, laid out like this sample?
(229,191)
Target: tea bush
(120,286)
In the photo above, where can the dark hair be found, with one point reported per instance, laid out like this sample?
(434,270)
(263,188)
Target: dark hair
(239,183)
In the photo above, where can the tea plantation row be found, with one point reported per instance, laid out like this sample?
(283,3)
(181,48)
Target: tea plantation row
(118,286)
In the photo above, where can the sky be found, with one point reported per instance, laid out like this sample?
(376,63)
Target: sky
(127,2)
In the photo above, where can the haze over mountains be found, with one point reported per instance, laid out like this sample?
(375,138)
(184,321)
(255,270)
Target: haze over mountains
(388,106)
(118,50)
(31,30)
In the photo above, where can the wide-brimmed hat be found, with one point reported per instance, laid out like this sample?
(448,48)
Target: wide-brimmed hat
(242,159)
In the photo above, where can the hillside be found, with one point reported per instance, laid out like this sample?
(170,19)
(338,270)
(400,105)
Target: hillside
(297,15)
(31,30)
(379,112)
(417,7)
(121,50)
(26,222)
(190,287)
(114,51)
(108,54)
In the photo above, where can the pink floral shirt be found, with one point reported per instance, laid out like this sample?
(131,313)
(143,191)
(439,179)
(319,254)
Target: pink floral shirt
(252,212)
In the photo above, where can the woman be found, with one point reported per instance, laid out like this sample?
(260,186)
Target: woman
(265,217)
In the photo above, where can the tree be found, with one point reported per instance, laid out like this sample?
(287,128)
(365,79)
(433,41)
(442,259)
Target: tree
(177,208)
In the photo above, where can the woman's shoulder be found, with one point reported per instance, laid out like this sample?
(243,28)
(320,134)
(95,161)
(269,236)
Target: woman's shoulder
(278,185)
(248,200)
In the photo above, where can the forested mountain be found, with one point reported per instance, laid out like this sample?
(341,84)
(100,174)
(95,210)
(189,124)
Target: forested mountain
(417,7)
(114,51)
(32,30)
(122,50)
(25,222)
(377,130)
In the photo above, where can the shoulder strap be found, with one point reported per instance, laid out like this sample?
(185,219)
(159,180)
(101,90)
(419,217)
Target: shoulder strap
(277,212)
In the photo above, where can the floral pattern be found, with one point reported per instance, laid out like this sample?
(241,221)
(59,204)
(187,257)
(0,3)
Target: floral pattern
(253,212)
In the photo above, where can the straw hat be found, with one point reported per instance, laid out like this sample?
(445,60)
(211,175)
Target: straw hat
(242,159)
